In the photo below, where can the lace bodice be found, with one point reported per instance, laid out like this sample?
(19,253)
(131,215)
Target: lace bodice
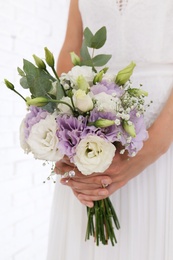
(140,30)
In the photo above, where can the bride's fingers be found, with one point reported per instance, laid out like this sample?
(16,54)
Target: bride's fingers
(88,200)
(89,204)
(94,196)
(79,186)
(87,197)
(88,182)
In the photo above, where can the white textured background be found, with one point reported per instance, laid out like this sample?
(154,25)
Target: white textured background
(26,27)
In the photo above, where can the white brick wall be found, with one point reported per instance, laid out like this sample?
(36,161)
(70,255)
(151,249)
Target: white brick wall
(26,27)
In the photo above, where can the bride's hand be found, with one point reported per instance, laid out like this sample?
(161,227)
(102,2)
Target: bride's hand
(99,186)
(93,187)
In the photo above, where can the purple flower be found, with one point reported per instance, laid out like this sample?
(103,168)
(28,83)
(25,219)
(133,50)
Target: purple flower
(110,132)
(70,131)
(33,117)
(141,133)
(108,88)
(135,143)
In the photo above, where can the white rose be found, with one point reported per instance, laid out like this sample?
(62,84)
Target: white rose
(82,101)
(65,109)
(77,71)
(43,141)
(23,142)
(107,103)
(94,154)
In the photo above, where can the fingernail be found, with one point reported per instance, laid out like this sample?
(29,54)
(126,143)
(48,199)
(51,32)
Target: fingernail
(105,182)
(88,204)
(64,182)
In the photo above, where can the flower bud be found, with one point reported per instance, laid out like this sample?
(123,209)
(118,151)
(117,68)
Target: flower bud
(129,128)
(98,77)
(82,83)
(38,101)
(124,75)
(137,92)
(9,84)
(75,58)
(82,101)
(103,123)
(39,62)
(49,58)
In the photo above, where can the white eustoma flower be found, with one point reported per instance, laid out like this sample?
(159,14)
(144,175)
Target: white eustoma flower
(107,103)
(93,154)
(77,71)
(63,108)
(43,141)
(82,101)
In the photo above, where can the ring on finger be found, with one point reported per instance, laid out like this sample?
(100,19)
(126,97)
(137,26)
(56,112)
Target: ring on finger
(69,174)
(105,185)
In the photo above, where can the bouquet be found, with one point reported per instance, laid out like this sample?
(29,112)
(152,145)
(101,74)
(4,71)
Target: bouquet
(83,114)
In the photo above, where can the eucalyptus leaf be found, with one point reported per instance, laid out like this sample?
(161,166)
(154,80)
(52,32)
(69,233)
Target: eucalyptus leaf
(60,92)
(49,107)
(39,81)
(99,38)
(88,37)
(21,73)
(24,82)
(84,52)
(101,60)
(87,63)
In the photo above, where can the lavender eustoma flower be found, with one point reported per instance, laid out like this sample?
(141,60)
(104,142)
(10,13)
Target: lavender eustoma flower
(33,117)
(70,130)
(141,133)
(108,88)
(110,132)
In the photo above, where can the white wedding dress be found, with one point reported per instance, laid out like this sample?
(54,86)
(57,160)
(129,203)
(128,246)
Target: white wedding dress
(142,31)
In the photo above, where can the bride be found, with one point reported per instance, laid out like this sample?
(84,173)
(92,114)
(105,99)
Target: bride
(141,188)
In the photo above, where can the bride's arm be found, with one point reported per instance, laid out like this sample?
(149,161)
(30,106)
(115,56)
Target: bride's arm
(88,189)
(73,38)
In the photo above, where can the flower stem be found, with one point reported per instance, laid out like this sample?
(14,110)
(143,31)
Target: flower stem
(19,94)
(55,73)
(101,221)
(60,102)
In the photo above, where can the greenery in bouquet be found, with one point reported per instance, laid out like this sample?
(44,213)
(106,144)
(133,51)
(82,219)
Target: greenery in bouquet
(83,114)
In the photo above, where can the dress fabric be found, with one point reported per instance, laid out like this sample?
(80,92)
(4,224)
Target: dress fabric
(142,31)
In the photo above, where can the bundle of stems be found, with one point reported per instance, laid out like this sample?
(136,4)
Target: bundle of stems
(102,220)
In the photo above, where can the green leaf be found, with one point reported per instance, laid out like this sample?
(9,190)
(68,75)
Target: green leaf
(21,73)
(24,82)
(99,38)
(101,59)
(49,107)
(37,80)
(88,36)
(87,63)
(84,52)
(60,92)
